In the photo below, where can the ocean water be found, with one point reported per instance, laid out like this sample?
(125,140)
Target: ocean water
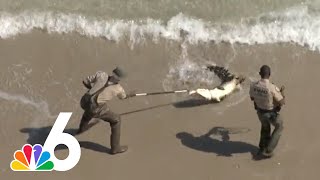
(215,10)
(245,22)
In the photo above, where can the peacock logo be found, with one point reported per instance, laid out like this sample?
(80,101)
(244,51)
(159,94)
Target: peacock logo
(42,158)
(32,159)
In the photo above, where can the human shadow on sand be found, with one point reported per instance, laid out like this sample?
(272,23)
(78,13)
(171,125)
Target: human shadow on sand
(39,136)
(223,147)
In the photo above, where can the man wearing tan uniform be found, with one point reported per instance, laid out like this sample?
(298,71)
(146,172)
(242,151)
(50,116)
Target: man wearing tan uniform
(101,89)
(268,99)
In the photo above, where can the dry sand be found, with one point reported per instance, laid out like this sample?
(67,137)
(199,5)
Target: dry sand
(165,141)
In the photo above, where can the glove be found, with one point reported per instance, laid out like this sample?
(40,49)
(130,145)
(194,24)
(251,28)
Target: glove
(131,94)
(88,86)
(277,109)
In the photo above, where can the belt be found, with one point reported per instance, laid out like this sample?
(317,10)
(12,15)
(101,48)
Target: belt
(274,110)
(265,110)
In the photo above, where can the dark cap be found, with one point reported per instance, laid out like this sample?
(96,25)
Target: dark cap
(119,72)
(265,71)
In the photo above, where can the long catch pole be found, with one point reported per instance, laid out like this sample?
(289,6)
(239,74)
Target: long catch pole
(163,92)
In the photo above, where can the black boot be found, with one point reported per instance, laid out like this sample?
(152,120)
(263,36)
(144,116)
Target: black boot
(120,149)
(115,139)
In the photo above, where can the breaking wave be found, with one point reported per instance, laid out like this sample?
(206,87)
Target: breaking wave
(299,25)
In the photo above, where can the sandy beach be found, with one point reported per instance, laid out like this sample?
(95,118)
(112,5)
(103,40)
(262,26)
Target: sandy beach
(40,76)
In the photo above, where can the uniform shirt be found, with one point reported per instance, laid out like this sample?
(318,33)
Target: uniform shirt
(265,94)
(98,81)
(114,90)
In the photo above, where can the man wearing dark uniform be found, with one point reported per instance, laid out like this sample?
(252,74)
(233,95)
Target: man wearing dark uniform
(268,99)
(101,89)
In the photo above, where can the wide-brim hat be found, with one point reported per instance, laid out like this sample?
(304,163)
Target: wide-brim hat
(118,72)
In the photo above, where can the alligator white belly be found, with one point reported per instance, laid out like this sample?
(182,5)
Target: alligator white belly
(216,93)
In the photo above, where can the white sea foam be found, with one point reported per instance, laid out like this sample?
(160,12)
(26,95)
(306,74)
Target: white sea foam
(299,25)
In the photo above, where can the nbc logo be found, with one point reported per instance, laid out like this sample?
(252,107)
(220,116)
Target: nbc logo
(32,159)
(38,158)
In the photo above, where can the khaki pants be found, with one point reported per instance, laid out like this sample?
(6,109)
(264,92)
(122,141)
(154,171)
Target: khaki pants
(268,140)
(103,112)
